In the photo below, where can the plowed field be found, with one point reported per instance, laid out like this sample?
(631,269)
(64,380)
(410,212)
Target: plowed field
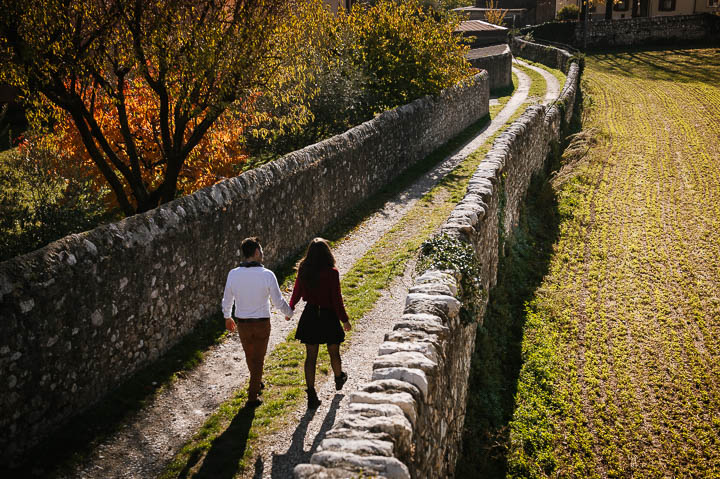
(621,347)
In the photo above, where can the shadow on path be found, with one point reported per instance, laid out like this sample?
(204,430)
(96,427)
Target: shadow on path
(283,464)
(227,450)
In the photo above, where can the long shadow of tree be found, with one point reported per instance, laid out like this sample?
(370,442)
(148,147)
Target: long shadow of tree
(689,63)
(283,464)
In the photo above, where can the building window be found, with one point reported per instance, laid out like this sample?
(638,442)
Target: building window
(667,5)
(713,3)
(622,6)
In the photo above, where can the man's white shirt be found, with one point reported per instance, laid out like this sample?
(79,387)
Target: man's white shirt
(251,289)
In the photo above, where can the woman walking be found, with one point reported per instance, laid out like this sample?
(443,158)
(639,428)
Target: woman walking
(318,283)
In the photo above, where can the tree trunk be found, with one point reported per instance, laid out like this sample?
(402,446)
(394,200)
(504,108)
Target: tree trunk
(169,186)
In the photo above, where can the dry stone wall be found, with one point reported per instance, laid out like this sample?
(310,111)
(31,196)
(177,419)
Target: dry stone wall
(80,315)
(545,54)
(649,30)
(407,422)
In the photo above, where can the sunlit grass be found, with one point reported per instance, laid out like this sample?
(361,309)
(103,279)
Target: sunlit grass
(621,347)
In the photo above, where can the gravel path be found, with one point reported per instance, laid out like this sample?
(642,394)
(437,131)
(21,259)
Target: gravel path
(553,85)
(148,440)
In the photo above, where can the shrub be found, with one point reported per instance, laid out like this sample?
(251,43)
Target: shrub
(406,51)
(568,12)
(37,205)
(494,14)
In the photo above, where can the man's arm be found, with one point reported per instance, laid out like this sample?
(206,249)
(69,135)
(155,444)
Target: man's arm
(227,304)
(276,296)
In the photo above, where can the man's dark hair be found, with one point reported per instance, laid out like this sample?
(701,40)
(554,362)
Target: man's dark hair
(249,245)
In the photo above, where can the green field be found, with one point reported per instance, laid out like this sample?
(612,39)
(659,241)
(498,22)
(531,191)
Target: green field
(620,348)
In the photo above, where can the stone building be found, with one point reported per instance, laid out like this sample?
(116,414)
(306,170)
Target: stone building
(489,50)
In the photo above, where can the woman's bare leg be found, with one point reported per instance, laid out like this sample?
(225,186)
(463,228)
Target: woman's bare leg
(335,361)
(310,362)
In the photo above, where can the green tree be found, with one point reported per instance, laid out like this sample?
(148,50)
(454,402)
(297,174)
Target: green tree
(37,204)
(405,51)
(143,80)
(359,63)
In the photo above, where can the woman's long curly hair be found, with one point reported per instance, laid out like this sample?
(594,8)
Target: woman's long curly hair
(318,257)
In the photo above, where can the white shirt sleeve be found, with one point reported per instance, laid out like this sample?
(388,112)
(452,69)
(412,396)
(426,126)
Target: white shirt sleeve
(228,299)
(276,296)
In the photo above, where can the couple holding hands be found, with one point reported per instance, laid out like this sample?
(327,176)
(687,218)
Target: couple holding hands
(251,287)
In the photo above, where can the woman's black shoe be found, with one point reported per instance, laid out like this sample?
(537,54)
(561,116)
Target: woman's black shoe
(340,380)
(313,401)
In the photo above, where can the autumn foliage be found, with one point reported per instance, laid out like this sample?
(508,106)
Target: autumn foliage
(157,92)
(217,155)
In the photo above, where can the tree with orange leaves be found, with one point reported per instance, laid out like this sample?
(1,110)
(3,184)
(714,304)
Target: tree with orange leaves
(156,91)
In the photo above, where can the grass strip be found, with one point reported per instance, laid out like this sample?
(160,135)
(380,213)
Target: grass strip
(561,77)
(362,286)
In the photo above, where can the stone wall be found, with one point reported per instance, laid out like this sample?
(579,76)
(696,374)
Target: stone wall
(649,30)
(82,314)
(408,421)
(545,54)
(496,60)
(631,31)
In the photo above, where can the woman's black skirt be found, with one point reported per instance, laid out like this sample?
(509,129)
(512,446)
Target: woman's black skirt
(319,326)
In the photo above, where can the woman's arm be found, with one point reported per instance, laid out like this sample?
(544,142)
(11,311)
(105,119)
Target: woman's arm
(336,297)
(297,293)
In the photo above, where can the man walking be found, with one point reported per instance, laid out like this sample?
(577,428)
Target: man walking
(249,287)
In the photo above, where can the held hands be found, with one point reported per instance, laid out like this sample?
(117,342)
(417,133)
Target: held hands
(347,326)
(230,325)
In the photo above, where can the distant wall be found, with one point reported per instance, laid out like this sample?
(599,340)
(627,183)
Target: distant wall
(80,315)
(408,421)
(649,30)
(497,60)
(627,32)
(545,54)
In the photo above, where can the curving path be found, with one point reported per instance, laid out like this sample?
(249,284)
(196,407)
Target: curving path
(553,86)
(148,440)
